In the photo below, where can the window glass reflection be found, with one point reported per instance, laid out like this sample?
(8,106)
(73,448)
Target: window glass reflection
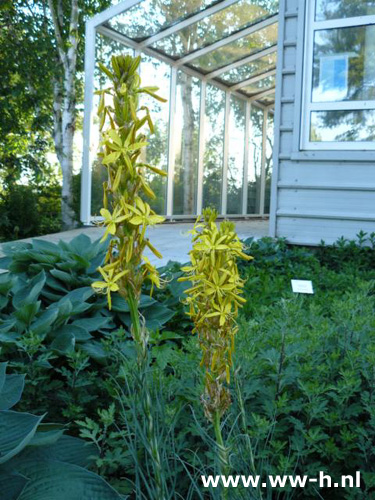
(260,86)
(342,126)
(186,144)
(234,51)
(255,160)
(269,162)
(214,150)
(236,155)
(246,71)
(344,64)
(338,9)
(151,16)
(152,70)
(212,28)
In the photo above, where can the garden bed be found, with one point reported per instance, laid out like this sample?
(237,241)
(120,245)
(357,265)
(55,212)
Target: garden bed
(304,374)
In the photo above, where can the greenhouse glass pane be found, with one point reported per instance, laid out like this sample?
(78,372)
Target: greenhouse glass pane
(342,126)
(154,72)
(215,27)
(269,162)
(236,155)
(344,64)
(105,48)
(339,9)
(214,147)
(234,51)
(151,16)
(249,70)
(255,88)
(186,144)
(255,160)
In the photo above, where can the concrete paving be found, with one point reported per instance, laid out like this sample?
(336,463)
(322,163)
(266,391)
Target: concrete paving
(172,239)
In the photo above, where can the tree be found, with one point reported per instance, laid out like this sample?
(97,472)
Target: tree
(41,51)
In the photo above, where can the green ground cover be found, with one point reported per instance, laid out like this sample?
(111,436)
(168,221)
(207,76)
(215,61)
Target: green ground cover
(304,377)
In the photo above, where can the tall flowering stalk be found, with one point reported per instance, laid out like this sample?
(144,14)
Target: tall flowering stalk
(213,300)
(126,214)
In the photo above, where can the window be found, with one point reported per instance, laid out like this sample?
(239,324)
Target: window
(339,78)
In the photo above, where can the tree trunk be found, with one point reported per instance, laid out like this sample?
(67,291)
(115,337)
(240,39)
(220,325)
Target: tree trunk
(187,153)
(65,103)
(68,128)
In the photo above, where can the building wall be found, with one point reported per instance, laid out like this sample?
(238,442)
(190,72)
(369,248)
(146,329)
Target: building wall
(316,195)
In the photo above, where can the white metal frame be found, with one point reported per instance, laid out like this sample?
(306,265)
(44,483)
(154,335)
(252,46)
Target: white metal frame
(98,24)
(312,26)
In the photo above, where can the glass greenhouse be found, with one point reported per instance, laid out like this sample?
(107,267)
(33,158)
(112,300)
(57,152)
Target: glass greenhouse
(215,62)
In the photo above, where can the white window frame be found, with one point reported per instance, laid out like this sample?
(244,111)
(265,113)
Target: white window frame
(311,26)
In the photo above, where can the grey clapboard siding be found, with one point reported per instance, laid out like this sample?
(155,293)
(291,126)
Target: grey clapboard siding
(315,195)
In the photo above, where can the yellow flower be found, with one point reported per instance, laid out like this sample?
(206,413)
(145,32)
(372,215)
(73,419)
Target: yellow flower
(109,284)
(143,216)
(111,221)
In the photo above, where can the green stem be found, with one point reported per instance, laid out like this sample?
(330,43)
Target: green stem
(144,392)
(245,431)
(223,452)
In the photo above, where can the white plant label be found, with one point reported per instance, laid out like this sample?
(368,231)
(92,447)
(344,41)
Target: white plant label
(302,286)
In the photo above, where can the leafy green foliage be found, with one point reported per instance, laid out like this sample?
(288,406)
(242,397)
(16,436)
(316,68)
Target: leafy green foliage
(55,329)
(30,210)
(37,462)
(302,388)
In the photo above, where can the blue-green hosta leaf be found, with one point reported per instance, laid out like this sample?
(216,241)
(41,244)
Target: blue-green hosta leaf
(12,485)
(47,434)
(44,246)
(64,343)
(7,325)
(6,283)
(10,337)
(29,294)
(11,391)
(45,320)
(80,334)
(80,294)
(3,370)
(95,350)
(13,247)
(62,481)
(80,244)
(16,431)
(67,278)
(120,305)
(3,302)
(66,449)
(95,323)
(27,313)
(55,284)
(157,315)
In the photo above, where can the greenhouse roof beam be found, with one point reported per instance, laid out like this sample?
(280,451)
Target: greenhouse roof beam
(225,41)
(115,35)
(113,11)
(242,62)
(252,80)
(266,93)
(187,22)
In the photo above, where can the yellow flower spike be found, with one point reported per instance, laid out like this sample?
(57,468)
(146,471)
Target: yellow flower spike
(213,302)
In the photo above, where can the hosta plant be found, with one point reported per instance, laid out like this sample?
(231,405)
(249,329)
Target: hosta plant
(127,215)
(213,302)
(37,461)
